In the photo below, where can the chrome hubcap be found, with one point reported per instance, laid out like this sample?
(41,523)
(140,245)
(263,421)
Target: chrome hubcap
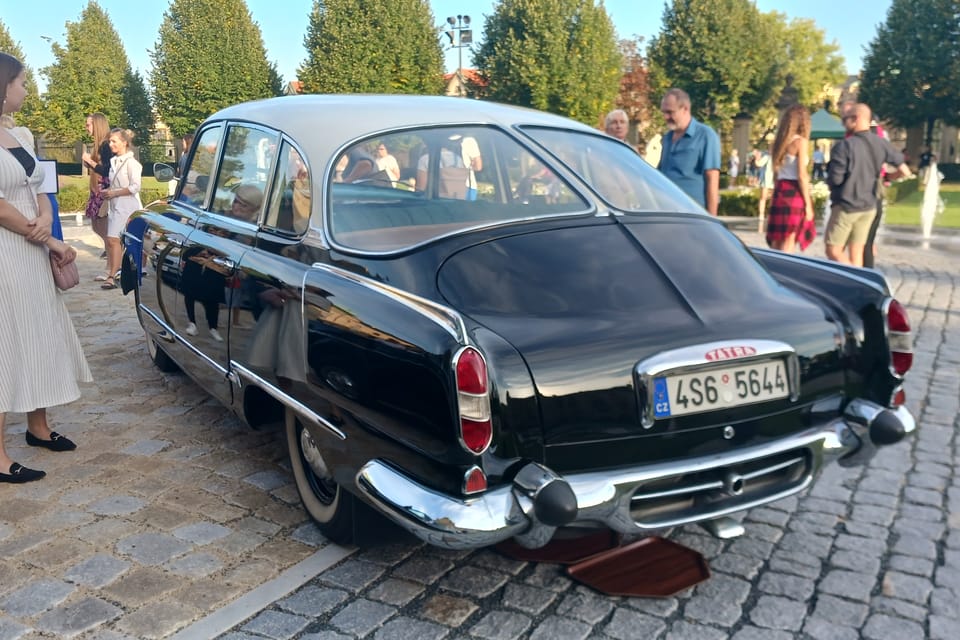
(312,455)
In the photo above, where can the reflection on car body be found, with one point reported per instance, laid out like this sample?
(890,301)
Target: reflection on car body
(528,329)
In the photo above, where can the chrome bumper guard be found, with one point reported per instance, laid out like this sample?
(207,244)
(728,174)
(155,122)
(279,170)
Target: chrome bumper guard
(538,501)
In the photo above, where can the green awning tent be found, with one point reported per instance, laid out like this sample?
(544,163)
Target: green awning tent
(824,124)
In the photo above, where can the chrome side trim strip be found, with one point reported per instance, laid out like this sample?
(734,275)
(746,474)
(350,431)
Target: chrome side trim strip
(439,314)
(302,410)
(173,336)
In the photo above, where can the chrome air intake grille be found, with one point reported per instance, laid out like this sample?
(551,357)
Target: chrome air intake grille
(708,493)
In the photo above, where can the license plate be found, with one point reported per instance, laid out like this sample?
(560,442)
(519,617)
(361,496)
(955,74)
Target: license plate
(719,388)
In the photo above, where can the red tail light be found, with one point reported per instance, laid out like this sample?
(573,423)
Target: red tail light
(899,398)
(899,338)
(473,400)
(474,481)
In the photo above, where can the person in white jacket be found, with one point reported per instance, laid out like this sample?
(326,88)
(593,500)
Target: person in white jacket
(123,196)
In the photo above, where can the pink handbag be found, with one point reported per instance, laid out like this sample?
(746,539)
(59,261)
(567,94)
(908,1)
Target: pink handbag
(65,277)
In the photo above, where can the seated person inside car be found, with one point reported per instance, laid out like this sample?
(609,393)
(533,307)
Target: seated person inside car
(247,200)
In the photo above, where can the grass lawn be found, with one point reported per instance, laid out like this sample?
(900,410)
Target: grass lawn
(907,211)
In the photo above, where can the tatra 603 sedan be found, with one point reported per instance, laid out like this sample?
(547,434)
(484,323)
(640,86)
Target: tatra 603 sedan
(486,323)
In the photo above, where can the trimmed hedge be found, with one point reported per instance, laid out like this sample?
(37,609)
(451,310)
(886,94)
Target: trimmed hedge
(75,198)
(746,202)
(897,191)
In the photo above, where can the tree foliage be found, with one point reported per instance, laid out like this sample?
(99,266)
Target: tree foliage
(209,54)
(32,108)
(718,51)
(88,75)
(634,94)
(137,111)
(911,73)
(372,46)
(554,55)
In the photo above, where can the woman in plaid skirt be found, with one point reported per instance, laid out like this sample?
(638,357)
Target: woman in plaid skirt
(791,213)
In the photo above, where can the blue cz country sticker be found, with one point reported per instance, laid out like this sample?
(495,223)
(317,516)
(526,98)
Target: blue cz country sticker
(661,398)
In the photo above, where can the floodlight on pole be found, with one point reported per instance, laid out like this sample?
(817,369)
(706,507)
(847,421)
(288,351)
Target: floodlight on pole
(460,35)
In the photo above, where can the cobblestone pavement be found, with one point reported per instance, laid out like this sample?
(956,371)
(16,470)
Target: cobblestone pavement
(173,517)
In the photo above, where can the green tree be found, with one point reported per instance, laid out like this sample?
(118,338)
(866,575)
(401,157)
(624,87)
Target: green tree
(372,46)
(137,112)
(911,73)
(32,108)
(275,80)
(721,52)
(209,54)
(555,55)
(87,75)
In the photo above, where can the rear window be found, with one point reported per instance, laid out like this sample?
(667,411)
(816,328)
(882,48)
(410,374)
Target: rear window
(399,190)
(618,175)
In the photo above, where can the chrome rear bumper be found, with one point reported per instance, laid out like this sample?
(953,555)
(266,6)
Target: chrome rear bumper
(713,486)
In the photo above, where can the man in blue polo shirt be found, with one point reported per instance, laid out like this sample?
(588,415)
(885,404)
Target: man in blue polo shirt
(691,151)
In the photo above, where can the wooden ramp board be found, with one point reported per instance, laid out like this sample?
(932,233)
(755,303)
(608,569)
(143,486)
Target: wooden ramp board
(563,550)
(652,567)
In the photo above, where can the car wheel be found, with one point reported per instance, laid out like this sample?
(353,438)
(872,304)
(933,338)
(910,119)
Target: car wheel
(327,503)
(159,357)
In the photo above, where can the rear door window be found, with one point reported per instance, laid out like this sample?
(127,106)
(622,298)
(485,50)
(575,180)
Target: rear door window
(245,172)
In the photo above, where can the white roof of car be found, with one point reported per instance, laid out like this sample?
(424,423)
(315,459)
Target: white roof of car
(323,123)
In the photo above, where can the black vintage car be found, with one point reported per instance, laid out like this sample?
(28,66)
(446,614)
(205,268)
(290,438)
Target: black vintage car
(483,323)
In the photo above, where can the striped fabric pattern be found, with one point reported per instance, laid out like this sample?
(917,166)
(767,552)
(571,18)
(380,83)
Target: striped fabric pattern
(41,360)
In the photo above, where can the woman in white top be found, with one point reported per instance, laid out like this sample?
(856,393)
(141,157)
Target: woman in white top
(41,360)
(123,195)
(791,211)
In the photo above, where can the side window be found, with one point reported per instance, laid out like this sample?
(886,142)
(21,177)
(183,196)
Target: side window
(245,170)
(402,189)
(196,184)
(291,195)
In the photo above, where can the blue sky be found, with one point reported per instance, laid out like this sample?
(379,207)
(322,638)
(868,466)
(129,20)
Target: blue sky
(283,23)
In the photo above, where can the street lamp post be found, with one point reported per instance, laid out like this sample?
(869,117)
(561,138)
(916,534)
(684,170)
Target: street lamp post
(461,35)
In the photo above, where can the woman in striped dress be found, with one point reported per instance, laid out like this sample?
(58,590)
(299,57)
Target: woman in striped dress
(41,360)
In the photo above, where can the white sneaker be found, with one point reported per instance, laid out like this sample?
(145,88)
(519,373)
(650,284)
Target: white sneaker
(216,335)
(191,329)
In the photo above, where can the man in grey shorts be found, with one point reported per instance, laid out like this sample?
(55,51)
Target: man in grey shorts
(853,176)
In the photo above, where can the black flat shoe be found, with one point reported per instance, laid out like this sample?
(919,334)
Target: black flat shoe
(20,474)
(56,442)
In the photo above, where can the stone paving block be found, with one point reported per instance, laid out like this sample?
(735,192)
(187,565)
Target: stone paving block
(926,497)
(309,534)
(352,574)
(206,594)
(116,505)
(501,625)
(877,499)
(395,592)
(161,517)
(942,628)
(157,619)
(403,628)
(820,523)
(718,601)
(899,608)
(268,480)
(152,548)
(787,563)
(829,629)
(145,447)
(874,546)
(58,552)
(325,635)
(97,571)
(855,561)
(525,598)
(548,576)
(74,618)
(448,610)
(737,565)
(765,515)
(683,630)
(882,516)
(139,586)
(360,617)
(782,584)
(10,630)
(774,612)
(389,555)
(660,607)
(194,565)
(241,542)
(313,601)
(628,625)
(926,513)
(922,528)
(473,581)
(757,633)
(201,532)
(751,548)
(585,604)
(945,602)
(907,587)
(58,520)
(492,560)
(865,530)
(276,624)
(423,569)
(848,584)
(554,627)
(841,610)
(35,596)
(250,572)
(884,627)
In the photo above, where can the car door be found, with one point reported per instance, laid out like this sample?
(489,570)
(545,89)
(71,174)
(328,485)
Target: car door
(210,286)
